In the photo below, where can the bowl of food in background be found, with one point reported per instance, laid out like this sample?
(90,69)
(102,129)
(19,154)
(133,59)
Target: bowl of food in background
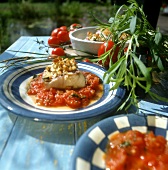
(87,40)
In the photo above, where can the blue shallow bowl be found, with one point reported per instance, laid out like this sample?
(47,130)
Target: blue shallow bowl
(13,96)
(89,150)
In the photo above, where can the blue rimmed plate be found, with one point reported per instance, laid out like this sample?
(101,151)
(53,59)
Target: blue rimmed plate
(90,148)
(13,96)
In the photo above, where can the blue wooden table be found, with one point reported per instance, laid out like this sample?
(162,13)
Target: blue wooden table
(31,145)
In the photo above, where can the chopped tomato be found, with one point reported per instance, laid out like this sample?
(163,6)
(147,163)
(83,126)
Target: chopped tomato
(92,80)
(74,98)
(154,143)
(133,150)
(86,92)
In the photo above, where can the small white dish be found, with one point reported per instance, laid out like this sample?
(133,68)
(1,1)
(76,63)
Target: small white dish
(82,46)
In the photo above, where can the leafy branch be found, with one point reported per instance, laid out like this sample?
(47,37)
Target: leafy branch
(142,49)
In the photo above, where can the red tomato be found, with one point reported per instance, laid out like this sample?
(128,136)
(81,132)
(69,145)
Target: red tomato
(106,46)
(125,49)
(75,26)
(63,36)
(63,28)
(53,41)
(58,51)
(118,161)
(55,32)
(86,60)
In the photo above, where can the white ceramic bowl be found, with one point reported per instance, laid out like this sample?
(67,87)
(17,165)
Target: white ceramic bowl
(80,45)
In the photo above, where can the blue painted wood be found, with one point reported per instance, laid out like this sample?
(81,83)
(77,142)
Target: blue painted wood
(148,107)
(16,46)
(35,145)
(31,46)
(7,121)
(25,144)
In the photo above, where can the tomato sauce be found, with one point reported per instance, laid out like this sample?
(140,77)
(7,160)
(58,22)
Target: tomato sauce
(133,150)
(73,98)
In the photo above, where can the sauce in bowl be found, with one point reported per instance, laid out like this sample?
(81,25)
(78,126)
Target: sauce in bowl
(133,150)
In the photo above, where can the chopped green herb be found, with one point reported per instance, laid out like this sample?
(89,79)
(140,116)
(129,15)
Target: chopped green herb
(125,144)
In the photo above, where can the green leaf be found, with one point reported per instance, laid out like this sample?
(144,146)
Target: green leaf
(158,38)
(158,61)
(117,83)
(112,70)
(111,20)
(122,68)
(145,71)
(157,97)
(128,82)
(133,24)
(136,40)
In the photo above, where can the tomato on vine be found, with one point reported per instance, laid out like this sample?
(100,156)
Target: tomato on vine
(58,51)
(63,36)
(63,28)
(55,32)
(60,35)
(53,41)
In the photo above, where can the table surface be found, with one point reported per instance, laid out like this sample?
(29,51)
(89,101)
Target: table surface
(30,145)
